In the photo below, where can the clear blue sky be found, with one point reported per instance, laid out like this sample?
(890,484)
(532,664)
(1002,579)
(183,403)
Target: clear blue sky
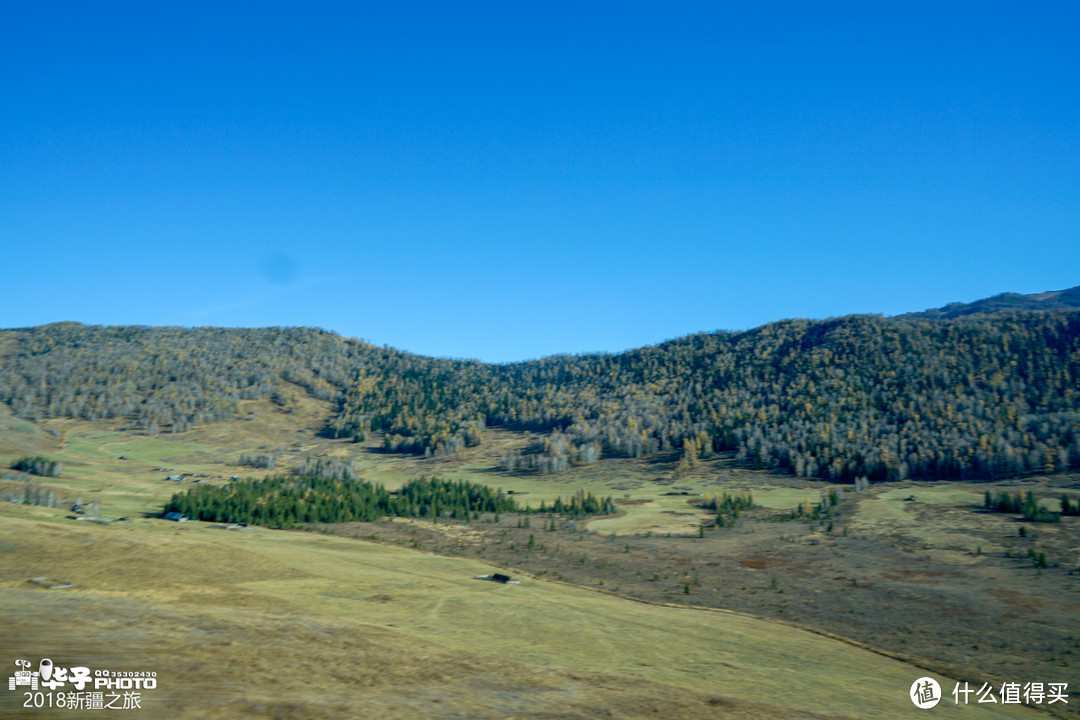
(510,180)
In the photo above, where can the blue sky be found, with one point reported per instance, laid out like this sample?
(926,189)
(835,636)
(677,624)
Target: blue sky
(511,180)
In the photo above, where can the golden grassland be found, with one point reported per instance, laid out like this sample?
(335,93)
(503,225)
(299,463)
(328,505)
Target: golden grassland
(261,623)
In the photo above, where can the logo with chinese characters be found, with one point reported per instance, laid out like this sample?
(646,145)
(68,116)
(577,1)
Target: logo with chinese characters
(1013,693)
(925,693)
(79,687)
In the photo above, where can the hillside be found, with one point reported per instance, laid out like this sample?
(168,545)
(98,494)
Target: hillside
(258,624)
(1052,300)
(933,585)
(859,396)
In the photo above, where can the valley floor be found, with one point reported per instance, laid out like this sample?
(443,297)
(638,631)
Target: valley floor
(654,613)
(262,623)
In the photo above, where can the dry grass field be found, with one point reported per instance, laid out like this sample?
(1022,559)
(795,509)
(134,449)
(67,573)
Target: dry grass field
(261,623)
(623,617)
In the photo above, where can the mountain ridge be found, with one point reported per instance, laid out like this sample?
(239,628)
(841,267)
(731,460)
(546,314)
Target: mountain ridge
(976,395)
(1008,301)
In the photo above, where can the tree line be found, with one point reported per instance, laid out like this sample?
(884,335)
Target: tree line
(727,507)
(1027,506)
(980,396)
(579,505)
(285,501)
(39,465)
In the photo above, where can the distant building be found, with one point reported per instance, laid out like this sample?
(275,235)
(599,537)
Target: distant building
(175,517)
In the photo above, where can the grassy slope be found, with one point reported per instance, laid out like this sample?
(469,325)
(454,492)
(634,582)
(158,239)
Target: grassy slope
(90,453)
(252,620)
(256,619)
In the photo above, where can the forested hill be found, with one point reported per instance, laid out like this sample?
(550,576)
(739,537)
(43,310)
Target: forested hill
(979,395)
(1053,300)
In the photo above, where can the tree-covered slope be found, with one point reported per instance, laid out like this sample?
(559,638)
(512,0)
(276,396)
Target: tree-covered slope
(1052,300)
(162,377)
(975,396)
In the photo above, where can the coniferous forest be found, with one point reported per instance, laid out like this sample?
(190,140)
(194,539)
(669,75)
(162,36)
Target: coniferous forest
(286,501)
(975,396)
